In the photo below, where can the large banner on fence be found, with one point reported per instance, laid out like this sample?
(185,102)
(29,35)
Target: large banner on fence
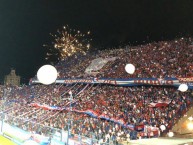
(129,82)
(89,112)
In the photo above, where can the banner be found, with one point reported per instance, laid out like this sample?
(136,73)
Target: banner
(89,112)
(160,103)
(42,140)
(129,82)
(97,64)
(139,127)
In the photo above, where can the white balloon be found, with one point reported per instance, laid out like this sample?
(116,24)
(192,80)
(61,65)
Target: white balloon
(170,134)
(47,74)
(163,127)
(183,88)
(130,68)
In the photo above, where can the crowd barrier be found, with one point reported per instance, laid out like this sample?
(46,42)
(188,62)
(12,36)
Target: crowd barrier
(21,137)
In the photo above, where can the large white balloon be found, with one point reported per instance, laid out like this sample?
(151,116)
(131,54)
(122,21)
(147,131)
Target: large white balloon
(170,134)
(130,68)
(183,88)
(163,127)
(47,74)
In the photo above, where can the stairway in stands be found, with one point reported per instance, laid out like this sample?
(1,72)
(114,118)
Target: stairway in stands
(181,129)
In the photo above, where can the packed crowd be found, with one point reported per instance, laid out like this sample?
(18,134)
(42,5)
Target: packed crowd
(154,60)
(131,105)
(133,108)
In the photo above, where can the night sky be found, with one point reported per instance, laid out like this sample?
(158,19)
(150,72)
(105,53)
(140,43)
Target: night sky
(25,26)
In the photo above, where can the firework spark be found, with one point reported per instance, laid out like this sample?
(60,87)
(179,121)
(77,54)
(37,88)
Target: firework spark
(68,42)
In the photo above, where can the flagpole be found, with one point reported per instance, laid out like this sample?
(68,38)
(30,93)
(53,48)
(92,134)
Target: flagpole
(69,118)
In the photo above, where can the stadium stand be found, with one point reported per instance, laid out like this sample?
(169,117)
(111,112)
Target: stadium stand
(106,113)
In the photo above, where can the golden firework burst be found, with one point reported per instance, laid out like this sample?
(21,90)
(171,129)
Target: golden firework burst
(68,42)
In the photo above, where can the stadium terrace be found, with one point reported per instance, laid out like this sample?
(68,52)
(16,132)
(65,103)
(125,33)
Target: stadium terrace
(106,105)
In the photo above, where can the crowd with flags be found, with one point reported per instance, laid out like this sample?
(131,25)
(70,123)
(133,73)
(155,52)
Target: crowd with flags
(101,111)
(153,60)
